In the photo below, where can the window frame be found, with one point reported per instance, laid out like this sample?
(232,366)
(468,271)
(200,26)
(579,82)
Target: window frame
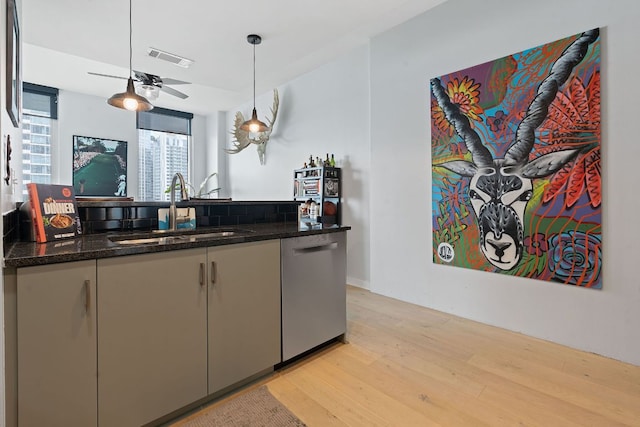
(52,116)
(179,124)
(48,91)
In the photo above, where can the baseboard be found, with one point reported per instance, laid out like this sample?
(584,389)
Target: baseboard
(364,284)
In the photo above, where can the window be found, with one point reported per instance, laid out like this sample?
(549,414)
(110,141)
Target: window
(163,149)
(39,110)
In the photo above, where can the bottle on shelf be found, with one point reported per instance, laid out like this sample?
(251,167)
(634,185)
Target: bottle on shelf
(332,161)
(313,211)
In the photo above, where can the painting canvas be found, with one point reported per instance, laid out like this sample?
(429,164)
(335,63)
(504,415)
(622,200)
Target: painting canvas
(516,164)
(99,167)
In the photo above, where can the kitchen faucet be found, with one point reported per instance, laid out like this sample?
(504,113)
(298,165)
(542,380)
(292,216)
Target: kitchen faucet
(173,213)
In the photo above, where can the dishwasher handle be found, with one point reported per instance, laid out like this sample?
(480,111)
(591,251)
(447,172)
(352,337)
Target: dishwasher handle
(313,249)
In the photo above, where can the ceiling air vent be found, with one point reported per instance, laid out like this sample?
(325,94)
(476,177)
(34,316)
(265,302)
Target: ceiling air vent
(170,57)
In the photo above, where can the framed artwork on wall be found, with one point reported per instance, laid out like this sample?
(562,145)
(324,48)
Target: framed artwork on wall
(99,167)
(13,75)
(516,164)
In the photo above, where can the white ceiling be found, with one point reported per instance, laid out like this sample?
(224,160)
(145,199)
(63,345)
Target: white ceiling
(64,39)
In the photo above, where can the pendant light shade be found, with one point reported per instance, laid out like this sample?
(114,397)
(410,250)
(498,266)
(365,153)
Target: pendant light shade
(254,125)
(130,100)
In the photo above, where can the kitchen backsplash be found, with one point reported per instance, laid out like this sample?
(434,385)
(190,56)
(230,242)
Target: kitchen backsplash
(98,217)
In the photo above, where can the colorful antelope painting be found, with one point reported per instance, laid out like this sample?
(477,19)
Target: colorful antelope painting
(516,164)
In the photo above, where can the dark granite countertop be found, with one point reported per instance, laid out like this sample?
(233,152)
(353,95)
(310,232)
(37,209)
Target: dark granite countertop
(110,202)
(102,245)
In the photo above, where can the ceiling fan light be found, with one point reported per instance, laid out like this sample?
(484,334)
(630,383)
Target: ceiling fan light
(148,91)
(254,125)
(130,100)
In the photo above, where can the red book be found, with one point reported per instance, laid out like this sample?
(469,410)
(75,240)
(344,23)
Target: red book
(54,213)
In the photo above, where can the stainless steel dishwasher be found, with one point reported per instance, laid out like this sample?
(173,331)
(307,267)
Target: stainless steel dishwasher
(314,307)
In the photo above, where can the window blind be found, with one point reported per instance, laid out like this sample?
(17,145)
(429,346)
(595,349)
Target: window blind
(165,120)
(40,100)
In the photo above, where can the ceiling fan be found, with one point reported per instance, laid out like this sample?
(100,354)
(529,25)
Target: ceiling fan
(149,85)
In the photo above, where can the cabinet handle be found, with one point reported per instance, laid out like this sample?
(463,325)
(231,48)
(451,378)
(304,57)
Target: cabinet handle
(87,295)
(202,274)
(213,272)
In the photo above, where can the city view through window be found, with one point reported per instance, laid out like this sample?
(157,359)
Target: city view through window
(36,149)
(160,156)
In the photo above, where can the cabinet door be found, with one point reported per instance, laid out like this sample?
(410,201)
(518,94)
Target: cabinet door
(244,311)
(56,317)
(152,351)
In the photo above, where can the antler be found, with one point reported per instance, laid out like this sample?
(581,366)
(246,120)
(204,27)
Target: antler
(481,155)
(539,108)
(274,111)
(241,137)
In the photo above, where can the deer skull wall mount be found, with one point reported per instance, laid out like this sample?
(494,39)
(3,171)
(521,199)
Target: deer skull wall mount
(242,139)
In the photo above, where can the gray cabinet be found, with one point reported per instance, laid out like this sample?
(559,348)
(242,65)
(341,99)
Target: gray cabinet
(56,345)
(124,341)
(244,311)
(152,343)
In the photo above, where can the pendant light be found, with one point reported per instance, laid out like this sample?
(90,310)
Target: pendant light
(254,125)
(130,100)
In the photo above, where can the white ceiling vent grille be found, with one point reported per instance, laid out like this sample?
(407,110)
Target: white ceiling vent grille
(170,57)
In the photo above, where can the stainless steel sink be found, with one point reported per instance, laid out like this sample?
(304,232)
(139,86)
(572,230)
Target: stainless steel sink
(211,235)
(177,237)
(148,240)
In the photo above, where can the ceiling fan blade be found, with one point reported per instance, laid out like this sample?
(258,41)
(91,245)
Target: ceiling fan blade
(107,75)
(169,81)
(149,78)
(172,91)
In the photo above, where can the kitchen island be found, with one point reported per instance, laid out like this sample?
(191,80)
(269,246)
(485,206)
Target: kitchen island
(129,328)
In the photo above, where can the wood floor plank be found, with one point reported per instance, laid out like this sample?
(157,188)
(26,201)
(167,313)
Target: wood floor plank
(433,399)
(309,411)
(371,397)
(340,404)
(595,402)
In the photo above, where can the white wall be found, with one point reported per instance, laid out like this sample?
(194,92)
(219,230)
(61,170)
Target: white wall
(324,111)
(216,137)
(459,34)
(7,192)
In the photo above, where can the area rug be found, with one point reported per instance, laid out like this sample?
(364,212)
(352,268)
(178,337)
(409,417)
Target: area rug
(256,408)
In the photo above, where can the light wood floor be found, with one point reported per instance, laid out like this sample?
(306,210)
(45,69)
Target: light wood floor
(405,365)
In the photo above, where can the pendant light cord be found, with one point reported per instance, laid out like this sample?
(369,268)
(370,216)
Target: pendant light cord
(130,42)
(254,76)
